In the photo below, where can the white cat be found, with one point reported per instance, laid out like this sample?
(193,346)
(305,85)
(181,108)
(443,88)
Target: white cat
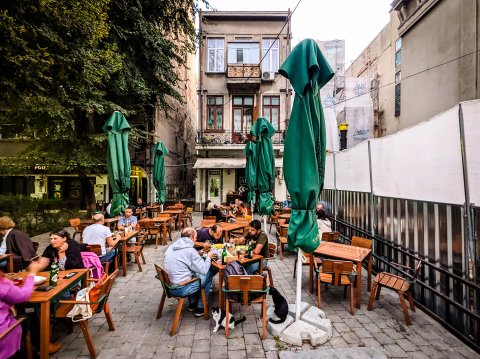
(218,316)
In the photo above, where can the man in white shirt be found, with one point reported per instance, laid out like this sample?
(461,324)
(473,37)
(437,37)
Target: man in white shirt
(98,233)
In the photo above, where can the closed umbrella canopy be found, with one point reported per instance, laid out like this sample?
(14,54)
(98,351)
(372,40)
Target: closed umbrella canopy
(305,145)
(250,170)
(159,153)
(265,169)
(118,161)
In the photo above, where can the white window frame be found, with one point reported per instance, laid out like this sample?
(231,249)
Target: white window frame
(273,54)
(217,67)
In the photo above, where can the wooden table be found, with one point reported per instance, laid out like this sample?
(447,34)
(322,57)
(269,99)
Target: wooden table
(175,213)
(347,252)
(154,209)
(44,299)
(221,267)
(7,258)
(228,227)
(285,215)
(123,239)
(162,220)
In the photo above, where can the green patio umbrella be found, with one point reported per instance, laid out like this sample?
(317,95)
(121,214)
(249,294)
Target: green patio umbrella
(250,171)
(159,153)
(263,130)
(305,147)
(118,161)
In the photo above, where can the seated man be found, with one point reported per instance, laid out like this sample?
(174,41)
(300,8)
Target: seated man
(141,209)
(287,203)
(259,242)
(128,222)
(182,262)
(98,233)
(207,236)
(16,243)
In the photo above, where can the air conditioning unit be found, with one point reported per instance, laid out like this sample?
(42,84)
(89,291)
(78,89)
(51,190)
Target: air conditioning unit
(268,75)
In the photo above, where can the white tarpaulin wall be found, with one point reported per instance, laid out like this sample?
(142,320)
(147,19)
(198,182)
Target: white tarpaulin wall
(352,169)
(329,181)
(471,120)
(422,162)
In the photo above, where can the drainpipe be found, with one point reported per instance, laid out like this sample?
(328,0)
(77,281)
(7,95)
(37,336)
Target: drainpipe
(288,92)
(343,128)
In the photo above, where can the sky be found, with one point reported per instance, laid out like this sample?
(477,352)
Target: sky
(355,21)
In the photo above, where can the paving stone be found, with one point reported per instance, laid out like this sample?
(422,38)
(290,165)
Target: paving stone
(184,341)
(218,352)
(181,353)
(235,344)
(251,339)
(237,354)
(343,353)
(201,346)
(255,351)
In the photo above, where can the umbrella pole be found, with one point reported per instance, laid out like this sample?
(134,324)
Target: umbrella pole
(265,223)
(161,207)
(298,300)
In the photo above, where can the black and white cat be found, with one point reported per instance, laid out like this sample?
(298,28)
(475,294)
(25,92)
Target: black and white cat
(219,315)
(281,306)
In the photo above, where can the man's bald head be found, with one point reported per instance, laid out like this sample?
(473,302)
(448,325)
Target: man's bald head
(98,217)
(189,232)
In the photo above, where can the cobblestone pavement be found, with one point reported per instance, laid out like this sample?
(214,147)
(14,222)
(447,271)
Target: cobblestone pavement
(134,301)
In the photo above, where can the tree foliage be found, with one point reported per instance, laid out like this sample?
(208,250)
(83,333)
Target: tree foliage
(68,64)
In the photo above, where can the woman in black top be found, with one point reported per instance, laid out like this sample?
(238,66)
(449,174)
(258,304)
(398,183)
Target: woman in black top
(64,249)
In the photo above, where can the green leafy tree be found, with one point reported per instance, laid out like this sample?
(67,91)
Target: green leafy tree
(67,64)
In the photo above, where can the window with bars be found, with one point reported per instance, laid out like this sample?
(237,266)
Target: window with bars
(271,59)
(216,54)
(214,112)
(271,110)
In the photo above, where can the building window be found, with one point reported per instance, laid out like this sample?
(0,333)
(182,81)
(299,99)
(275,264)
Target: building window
(215,112)
(398,51)
(271,110)
(216,50)
(243,53)
(271,59)
(242,113)
(398,78)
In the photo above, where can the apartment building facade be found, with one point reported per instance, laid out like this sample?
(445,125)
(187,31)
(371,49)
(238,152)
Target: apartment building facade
(240,54)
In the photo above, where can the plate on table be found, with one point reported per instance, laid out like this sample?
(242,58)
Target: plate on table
(38,279)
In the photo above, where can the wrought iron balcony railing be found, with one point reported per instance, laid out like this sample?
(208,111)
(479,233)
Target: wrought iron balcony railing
(232,138)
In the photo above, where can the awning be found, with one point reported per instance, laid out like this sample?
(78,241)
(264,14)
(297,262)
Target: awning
(228,162)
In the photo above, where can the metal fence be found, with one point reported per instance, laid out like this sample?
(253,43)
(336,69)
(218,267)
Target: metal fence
(217,138)
(404,231)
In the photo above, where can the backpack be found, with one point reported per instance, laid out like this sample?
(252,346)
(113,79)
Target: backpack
(233,268)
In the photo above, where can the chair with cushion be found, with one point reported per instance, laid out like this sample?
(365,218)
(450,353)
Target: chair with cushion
(251,289)
(398,284)
(337,273)
(28,346)
(364,243)
(98,303)
(167,285)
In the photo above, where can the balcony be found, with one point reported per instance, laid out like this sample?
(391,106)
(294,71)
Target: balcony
(243,78)
(230,138)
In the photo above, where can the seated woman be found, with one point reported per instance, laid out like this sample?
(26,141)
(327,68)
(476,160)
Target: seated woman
(64,249)
(324,224)
(212,210)
(15,243)
(9,296)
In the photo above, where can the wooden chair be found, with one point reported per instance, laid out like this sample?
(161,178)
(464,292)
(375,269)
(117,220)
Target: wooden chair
(182,220)
(399,284)
(364,243)
(272,248)
(330,236)
(64,306)
(137,249)
(167,285)
(272,220)
(189,215)
(337,273)
(152,229)
(305,262)
(97,249)
(170,225)
(245,285)
(281,239)
(75,223)
(28,346)
(206,223)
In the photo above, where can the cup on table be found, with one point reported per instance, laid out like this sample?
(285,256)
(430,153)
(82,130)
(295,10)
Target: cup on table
(241,254)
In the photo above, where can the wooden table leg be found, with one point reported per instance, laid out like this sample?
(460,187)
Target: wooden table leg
(124,258)
(359,284)
(260,268)
(310,267)
(10,264)
(369,273)
(225,236)
(165,232)
(221,303)
(44,329)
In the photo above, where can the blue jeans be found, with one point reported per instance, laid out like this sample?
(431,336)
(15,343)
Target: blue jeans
(192,290)
(252,268)
(109,255)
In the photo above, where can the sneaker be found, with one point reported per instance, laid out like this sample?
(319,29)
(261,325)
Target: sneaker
(192,306)
(198,312)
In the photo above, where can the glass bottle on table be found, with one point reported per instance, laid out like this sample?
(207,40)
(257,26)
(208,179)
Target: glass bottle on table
(224,255)
(249,250)
(54,273)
